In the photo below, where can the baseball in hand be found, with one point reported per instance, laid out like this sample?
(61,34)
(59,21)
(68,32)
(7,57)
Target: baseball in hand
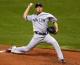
(31,4)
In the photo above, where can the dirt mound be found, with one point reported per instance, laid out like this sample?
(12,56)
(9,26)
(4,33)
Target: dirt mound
(38,57)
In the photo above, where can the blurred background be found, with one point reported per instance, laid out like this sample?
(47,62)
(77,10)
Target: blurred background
(14,30)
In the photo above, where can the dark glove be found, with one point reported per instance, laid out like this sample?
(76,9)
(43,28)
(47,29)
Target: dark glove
(51,30)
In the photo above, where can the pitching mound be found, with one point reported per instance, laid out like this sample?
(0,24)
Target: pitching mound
(38,57)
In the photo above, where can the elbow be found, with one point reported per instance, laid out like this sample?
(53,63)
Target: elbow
(24,17)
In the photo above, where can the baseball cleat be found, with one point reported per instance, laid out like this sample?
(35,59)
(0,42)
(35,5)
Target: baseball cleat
(62,61)
(9,49)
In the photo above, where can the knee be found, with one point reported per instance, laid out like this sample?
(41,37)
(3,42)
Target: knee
(54,42)
(27,49)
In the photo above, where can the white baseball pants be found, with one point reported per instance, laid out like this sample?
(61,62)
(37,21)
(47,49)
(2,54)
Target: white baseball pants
(38,39)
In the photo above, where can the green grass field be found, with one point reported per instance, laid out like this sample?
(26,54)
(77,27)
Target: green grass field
(14,30)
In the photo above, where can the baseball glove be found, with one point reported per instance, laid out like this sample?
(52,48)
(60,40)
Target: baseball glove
(51,30)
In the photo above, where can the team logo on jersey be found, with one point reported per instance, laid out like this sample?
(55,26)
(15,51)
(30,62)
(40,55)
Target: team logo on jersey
(39,20)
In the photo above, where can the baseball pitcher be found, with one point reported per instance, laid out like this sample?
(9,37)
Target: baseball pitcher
(40,22)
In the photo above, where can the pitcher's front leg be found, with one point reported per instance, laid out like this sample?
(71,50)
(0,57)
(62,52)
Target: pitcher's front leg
(50,40)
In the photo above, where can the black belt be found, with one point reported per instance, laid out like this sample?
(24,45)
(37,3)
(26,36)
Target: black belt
(40,33)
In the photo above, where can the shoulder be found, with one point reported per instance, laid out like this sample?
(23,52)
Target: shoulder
(31,15)
(45,13)
(48,14)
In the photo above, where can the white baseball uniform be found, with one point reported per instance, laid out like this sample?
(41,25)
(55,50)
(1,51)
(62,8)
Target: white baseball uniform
(40,25)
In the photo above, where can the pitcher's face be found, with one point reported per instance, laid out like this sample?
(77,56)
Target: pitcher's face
(39,9)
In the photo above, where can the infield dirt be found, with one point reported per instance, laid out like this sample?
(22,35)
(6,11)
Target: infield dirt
(38,57)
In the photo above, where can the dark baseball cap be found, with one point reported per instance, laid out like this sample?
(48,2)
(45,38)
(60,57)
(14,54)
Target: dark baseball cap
(38,4)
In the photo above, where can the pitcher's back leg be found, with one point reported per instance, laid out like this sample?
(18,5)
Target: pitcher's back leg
(27,48)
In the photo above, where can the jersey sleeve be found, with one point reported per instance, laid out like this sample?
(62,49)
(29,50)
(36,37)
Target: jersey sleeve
(29,18)
(53,19)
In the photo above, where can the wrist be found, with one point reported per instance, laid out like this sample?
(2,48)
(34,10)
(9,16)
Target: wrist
(56,31)
(29,7)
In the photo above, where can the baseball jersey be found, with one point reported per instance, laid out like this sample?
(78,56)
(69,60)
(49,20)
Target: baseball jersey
(40,22)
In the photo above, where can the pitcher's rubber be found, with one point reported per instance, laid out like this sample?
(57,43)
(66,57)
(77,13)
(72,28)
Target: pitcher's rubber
(38,57)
